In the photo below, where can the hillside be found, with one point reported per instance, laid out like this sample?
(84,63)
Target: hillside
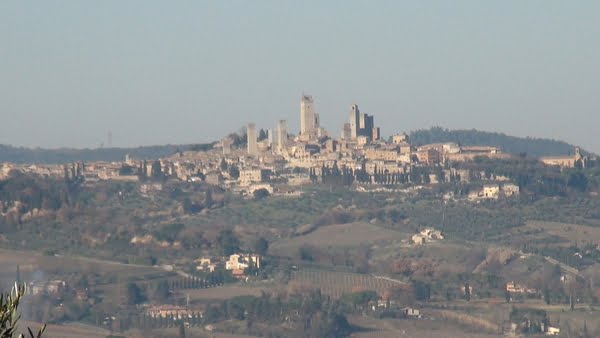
(534,147)
(66,155)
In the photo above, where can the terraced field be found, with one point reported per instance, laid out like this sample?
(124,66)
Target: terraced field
(335,284)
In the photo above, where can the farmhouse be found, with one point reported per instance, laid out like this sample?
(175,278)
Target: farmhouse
(553,331)
(241,261)
(410,312)
(426,236)
(494,191)
(49,287)
(513,287)
(510,189)
(205,264)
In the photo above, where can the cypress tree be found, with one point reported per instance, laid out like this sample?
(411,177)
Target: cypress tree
(181,330)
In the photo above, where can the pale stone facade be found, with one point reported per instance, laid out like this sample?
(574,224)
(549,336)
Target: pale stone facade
(241,261)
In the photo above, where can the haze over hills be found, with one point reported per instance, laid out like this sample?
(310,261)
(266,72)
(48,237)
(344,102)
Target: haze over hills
(533,147)
(66,155)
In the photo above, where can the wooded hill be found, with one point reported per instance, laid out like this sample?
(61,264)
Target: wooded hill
(67,155)
(533,147)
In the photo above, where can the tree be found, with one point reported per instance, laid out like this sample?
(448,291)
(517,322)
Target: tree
(571,302)
(421,290)
(156,169)
(212,314)
(577,180)
(262,135)
(208,198)
(228,242)
(306,252)
(223,165)
(260,194)
(467,292)
(160,293)
(126,170)
(133,294)
(547,295)
(234,172)
(261,246)
(181,330)
(361,298)
(9,317)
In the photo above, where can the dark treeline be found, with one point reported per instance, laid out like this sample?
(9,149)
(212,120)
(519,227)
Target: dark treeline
(67,155)
(533,147)
(305,315)
(34,192)
(530,175)
(533,176)
(309,314)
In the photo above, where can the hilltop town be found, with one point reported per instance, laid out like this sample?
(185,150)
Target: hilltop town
(280,162)
(267,232)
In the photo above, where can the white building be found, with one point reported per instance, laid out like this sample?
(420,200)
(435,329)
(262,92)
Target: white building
(241,261)
(400,138)
(426,236)
(510,189)
(251,176)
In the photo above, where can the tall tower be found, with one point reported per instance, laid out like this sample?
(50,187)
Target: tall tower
(252,147)
(345,133)
(354,121)
(282,134)
(226,143)
(308,118)
(270,137)
(366,125)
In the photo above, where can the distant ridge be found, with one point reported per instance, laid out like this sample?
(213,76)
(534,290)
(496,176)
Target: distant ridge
(66,155)
(533,147)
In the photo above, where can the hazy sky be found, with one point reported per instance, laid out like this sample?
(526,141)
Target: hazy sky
(157,72)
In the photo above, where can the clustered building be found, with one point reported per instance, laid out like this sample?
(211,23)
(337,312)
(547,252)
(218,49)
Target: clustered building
(360,154)
(360,125)
(279,161)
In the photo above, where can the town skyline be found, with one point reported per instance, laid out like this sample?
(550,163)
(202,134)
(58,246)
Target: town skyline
(155,73)
(296,129)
